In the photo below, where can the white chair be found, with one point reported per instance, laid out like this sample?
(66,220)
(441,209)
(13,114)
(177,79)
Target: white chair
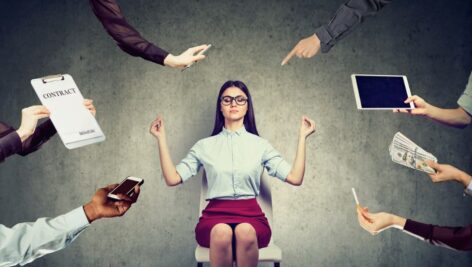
(272,253)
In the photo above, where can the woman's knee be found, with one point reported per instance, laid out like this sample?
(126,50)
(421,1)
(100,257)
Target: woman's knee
(245,234)
(221,235)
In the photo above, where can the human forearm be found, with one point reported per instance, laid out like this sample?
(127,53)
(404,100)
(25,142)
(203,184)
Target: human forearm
(398,221)
(459,238)
(451,117)
(26,242)
(464,178)
(9,145)
(169,171)
(41,135)
(295,177)
(346,18)
(127,37)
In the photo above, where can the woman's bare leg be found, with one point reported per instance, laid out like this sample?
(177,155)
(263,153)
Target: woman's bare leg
(247,251)
(221,254)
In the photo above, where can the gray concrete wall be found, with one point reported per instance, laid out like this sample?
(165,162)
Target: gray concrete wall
(315,224)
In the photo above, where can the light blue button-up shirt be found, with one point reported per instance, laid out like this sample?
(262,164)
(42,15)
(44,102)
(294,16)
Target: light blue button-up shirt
(233,163)
(465,101)
(26,242)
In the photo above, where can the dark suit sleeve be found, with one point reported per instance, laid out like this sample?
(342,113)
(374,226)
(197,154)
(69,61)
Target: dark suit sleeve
(10,142)
(41,135)
(459,238)
(126,37)
(347,17)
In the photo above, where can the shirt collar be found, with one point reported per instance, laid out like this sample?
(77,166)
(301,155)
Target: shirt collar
(239,131)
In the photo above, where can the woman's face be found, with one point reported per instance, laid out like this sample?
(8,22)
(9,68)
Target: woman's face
(233,104)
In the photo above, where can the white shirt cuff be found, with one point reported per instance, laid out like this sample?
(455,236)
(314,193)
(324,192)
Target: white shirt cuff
(468,189)
(76,219)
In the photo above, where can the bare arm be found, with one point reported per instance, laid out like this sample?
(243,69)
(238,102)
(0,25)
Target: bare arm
(452,117)
(457,117)
(295,177)
(169,171)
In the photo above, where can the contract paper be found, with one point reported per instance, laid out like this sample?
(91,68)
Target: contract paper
(75,124)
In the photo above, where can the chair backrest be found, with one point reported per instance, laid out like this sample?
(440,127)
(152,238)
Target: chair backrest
(264,198)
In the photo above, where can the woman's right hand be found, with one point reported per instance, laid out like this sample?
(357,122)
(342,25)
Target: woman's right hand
(157,128)
(422,107)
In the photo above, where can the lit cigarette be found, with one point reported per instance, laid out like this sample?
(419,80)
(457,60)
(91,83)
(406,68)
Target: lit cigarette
(355,196)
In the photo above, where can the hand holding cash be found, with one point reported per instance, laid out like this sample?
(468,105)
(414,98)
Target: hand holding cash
(405,152)
(446,172)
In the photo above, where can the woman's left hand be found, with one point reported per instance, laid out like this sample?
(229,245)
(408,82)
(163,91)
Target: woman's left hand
(307,127)
(88,103)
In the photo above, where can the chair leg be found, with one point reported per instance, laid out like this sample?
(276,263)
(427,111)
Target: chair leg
(199,264)
(276,264)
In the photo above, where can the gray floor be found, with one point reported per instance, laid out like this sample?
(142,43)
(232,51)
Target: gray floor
(315,224)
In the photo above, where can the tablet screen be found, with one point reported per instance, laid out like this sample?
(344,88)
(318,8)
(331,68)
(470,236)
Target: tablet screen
(382,91)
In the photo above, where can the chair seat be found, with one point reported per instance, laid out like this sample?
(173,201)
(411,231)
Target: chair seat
(272,253)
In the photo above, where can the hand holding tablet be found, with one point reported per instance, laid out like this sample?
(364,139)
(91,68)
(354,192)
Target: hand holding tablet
(422,107)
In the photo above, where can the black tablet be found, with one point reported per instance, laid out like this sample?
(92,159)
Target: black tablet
(381,92)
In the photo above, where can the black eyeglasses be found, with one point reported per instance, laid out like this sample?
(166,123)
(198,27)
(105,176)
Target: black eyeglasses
(227,100)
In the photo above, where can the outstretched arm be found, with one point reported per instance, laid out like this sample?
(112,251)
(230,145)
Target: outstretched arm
(346,18)
(25,242)
(131,41)
(457,117)
(126,37)
(459,238)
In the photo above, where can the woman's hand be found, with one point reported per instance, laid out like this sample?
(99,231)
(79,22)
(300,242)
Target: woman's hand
(307,127)
(445,172)
(88,103)
(29,120)
(422,107)
(157,128)
(375,223)
(191,55)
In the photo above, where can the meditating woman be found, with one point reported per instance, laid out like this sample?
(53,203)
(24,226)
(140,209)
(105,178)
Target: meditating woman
(233,158)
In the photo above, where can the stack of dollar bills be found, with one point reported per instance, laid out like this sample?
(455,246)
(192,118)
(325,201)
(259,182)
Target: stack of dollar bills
(405,152)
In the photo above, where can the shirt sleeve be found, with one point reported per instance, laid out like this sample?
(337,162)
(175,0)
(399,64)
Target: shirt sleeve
(458,238)
(275,165)
(25,242)
(41,135)
(127,38)
(190,165)
(347,17)
(465,101)
(468,189)
(10,144)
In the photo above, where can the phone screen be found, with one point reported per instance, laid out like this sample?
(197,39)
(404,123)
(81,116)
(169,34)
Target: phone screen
(125,187)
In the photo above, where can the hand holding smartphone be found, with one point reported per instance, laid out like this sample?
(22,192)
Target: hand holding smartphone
(126,187)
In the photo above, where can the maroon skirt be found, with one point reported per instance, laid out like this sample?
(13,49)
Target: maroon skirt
(233,212)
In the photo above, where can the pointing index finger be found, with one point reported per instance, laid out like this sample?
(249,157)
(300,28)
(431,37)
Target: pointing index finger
(288,57)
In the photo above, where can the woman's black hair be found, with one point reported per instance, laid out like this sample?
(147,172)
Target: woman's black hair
(249,119)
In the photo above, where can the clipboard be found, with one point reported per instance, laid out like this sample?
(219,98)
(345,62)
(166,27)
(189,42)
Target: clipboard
(75,124)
